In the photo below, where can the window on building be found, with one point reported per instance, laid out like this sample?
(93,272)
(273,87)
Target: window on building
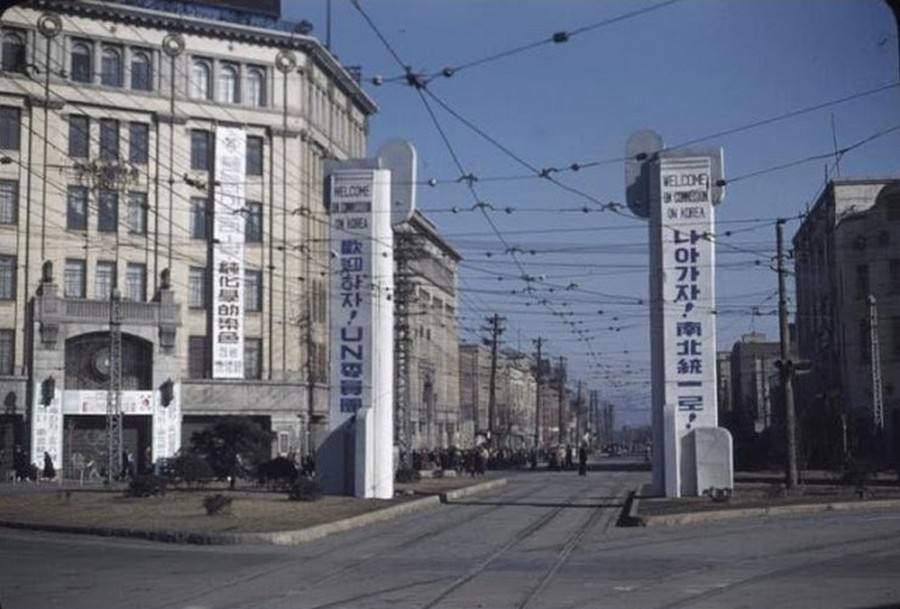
(197,287)
(111,66)
(82,61)
(198,357)
(14,51)
(10,126)
(253,291)
(256,86)
(199,218)
(862,281)
(73,278)
(253,223)
(141,70)
(107,211)
(109,139)
(254,155)
(138,143)
(76,208)
(200,150)
(137,213)
(252,358)
(201,79)
(228,84)
(104,279)
(9,201)
(79,137)
(7,277)
(7,351)
(136,282)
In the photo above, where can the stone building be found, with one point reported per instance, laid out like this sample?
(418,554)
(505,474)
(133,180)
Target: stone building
(847,260)
(170,154)
(427,269)
(753,419)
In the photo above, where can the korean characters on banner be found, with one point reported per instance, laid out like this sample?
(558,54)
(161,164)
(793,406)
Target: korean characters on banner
(351,304)
(688,291)
(228,254)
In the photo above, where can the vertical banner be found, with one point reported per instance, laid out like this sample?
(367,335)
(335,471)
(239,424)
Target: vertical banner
(228,254)
(362,326)
(47,430)
(167,424)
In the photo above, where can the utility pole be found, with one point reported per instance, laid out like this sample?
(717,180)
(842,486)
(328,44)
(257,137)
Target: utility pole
(114,389)
(496,329)
(539,374)
(405,251)
(563,410)
(875,355)
(786,366)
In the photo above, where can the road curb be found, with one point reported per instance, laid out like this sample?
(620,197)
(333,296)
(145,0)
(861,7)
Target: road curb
(289,537)
(779,510)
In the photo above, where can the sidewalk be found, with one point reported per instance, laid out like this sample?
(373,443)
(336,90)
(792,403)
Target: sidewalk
(763,494)
(178,516)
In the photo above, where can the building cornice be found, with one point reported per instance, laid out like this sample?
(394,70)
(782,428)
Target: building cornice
(185,24)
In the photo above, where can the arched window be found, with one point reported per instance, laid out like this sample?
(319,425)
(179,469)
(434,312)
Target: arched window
(111,67)
(256,87)
(200,79)
(82,60)
(13,52)
(228,84)
(141,71)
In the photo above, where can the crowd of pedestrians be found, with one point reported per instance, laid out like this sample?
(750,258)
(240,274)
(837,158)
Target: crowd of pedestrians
(475,461)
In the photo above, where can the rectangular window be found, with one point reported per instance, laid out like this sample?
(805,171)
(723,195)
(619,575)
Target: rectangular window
(254,155)
(7,351)
(197,287)
(253,290)
(136,282)
(76,208)
(9,201)
(198,359)
(82,61)
(7,277)
(104,279)
(111,66)
(137,213)
(79,137)
(252,358)
(199,218)
(14,50)
(200,153)
(107,211)
(138,143)
(10,126)
(253,223)
(109,139)
(73,279)
(141,70)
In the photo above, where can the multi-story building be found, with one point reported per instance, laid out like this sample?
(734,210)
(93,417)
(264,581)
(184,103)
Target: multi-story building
(427,277)
(723,386)
(847,259)
(171,156)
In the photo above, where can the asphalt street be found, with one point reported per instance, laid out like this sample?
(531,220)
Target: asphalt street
(547,539)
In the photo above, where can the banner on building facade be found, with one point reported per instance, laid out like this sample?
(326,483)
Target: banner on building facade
(228,254)
(47,429)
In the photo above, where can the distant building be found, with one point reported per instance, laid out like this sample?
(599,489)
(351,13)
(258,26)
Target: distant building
(723,381)
(847,253)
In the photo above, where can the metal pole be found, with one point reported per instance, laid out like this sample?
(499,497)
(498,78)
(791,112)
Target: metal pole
(787,368)
(114,393)
(538,397)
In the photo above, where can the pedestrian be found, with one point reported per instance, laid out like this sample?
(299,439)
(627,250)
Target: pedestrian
(569,463)
(20,464)
(49,472)
(582,460)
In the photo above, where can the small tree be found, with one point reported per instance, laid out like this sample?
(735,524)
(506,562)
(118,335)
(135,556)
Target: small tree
(233,446)
(190,469)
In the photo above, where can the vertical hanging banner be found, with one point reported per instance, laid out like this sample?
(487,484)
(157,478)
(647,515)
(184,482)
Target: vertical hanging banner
(228,254)
(362,325)
(47,429)
(689,291)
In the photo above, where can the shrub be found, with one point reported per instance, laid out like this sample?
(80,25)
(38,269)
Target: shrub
(146,485)
(280,473)
(406,475)
(305,489)
(190,469)
(217,504)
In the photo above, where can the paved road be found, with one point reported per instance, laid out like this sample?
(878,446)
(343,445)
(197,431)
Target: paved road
(545,540)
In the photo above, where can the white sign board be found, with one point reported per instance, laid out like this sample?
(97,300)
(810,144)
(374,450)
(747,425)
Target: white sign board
(228,254)
(47,429)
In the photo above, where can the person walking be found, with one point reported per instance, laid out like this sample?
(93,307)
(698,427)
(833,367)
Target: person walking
(582,460)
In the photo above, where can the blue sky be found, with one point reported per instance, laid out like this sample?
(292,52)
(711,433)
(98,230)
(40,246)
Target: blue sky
(686,69)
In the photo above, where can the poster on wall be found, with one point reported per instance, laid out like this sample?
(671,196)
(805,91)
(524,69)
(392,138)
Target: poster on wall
(228,254)
(47,430)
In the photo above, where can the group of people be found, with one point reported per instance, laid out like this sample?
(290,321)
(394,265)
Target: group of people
(475,461)
(23,470)
(563,457)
